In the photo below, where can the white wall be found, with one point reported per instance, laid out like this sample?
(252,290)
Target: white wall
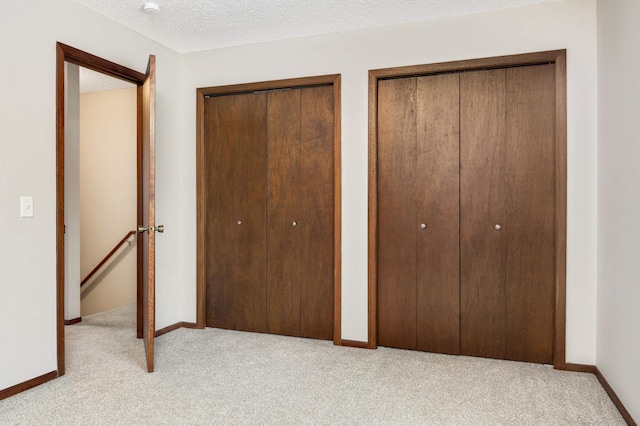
(108,197)
(72,193)
(570,24)
(619,199)
(28,33)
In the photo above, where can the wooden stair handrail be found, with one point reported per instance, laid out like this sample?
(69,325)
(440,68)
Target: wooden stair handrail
(107,257)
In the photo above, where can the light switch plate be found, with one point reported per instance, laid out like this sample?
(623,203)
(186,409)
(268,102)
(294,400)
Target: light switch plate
(26,206)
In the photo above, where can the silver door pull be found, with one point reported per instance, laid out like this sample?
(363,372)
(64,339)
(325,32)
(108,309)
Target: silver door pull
(238,222)
(423,226)
(498,227)
(294,223)
(143,229)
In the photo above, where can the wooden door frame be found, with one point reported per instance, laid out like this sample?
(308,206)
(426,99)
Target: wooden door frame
(558,57)
(65,53)
(201,93)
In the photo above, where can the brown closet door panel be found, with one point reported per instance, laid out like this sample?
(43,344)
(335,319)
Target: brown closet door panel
(531,212)
(437,200)
(219,236)
(397,224)
(250,304)
(531,199)
(315,217)
(283,263)
(235,168)
(250,205)
(531,118)
(482,207)
(530,297)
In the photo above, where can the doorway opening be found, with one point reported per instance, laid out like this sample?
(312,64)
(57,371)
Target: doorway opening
(100,193)
(145,193)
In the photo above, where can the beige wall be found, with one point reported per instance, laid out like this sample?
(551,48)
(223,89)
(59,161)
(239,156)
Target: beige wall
(107,197)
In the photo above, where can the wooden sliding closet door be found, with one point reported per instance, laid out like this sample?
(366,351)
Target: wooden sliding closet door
(507,182)
(269,222)
(418,284)
(397,224)
(235,170)
(437,201)
(283,247)
(317,212)
(483,213)
(530,192)
(300,212)
(466,213)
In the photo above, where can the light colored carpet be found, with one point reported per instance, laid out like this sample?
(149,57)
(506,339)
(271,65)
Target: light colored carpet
(226,377)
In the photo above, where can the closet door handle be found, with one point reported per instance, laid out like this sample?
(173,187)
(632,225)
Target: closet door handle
(238,222)
(143,229)
(498,227)
(423,226)
(294,223)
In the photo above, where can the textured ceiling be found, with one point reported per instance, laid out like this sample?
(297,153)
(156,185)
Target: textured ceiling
(92,81)
(193,25)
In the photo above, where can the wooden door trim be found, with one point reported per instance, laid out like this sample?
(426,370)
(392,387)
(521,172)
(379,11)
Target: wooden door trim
(559,350)
(65,53)
(558,57)
(201,93)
